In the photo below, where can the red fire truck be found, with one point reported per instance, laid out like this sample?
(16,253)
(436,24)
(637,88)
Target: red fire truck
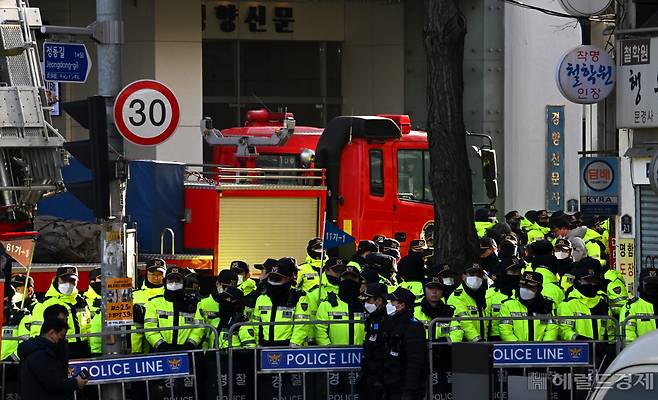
(376,183)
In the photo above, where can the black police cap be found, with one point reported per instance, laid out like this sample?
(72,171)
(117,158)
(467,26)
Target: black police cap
(240,267)
(227,277)
(403,295)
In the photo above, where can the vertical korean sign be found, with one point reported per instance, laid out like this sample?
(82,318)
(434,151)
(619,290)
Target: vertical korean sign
(599,185)
(625,257)
(637,88)
(119,302)
(555,158)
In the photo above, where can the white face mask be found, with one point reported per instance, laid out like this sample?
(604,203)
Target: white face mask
(66,288)
(448,281)
(561,255)
(220,289)
(18,297)
(173,286)
(526,294)
(390,309)
(275,283)
(370,307)
(473,282)
(240,279)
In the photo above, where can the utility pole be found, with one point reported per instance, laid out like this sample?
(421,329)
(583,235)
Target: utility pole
(113,235)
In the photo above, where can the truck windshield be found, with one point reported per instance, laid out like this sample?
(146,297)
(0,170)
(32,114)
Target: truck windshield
(413,175)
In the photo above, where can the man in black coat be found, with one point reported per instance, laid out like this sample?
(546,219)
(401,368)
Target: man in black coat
(406,366)
(44,361)
(370,385)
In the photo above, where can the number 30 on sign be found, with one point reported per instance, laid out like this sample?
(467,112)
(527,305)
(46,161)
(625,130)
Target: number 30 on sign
(146,112)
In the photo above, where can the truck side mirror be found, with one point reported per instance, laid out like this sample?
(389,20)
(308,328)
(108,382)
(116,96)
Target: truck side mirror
(492,188)
(488,159)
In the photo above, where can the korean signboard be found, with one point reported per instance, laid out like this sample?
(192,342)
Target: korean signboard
(120,302)
(625,259)
(599,185)
(268,20)
(555,158)
(586,75)
(637,89)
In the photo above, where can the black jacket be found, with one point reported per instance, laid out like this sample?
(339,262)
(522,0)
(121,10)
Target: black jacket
(406,365)
(370,384)
(44,371)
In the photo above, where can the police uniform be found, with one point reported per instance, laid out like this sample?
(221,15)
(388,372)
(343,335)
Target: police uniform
(176,307)
(645,305)
(27,282)
(411,269)
(309,272)
(222,311)
(370,385)
(528,330)
(281,303)
(585,300)
(17,324)
(92,295)
(449,331)
(79,319)
(467,306)
(341,306)
(142,296)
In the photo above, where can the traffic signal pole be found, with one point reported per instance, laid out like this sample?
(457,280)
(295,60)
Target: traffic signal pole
(113,234)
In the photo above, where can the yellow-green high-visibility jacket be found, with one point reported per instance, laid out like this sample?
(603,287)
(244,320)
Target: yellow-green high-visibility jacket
(294,309)
(96,342)
(315,297)
(579,305)
(544,330)
(140,297)
(207,313)
(247,286)
(93,300)
(335,309)
(481,227)
(592,240)
(616,291)
(636,327)
(551,288)
(414,287)
(309,274)
(466,307)
(161,313)
(537,233)
(79,319)
(9,346)
(495,299)
(443,330)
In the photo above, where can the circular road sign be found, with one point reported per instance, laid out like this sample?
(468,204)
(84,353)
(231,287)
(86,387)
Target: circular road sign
(585,8)
(586,74)
(146,112)
(599,175)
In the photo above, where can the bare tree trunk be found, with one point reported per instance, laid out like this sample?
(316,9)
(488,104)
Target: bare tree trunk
(455,240)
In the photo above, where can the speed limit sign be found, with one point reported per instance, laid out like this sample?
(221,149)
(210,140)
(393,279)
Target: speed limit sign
(146,112)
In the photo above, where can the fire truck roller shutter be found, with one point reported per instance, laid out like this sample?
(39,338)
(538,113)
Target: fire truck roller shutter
(256,228)
(335,136)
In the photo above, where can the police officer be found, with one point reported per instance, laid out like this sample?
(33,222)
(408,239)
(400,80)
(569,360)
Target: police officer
(330,280)
(281,303)
(309,272)
(448,277)
(483,221)
(359,258)
(245,283)
(24,288)
(209,309)
(176,307)
(612,285)
(488,254)
(344,305)
(563,253)
(63,291)
(469,300)
(152,287)
(411,273)
(431,307)
(505,282)
(585,298)
(385,265)
(93,294)
(370,385)
(545,263)
(222,310)
(405,365)
(645,304)
(528,301)
(16,324)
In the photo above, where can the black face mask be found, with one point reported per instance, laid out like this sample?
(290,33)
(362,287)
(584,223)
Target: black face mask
(564,266)
(649,292)
(348,290)
(490,262)
(96,286)
(278,291)
(506,283)
(175,296)
(334,280)
(587,290)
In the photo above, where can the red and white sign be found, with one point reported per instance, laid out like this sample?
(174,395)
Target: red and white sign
(146,112)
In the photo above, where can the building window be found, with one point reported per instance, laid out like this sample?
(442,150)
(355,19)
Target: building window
(413,175)
(376,173)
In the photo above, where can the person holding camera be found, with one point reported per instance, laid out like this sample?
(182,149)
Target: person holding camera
(44,360)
